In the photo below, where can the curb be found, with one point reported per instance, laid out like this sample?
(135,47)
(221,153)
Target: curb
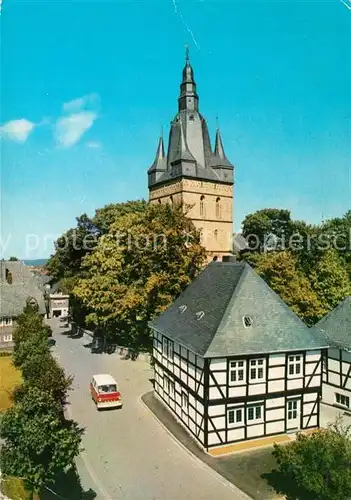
(216,474)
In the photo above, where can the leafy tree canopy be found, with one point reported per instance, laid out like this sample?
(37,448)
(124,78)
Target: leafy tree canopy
(138,269)
(38,442)
(315,466)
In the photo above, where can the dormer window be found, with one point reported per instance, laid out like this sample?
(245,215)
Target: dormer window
(247,321)
(182,308)
(200,315)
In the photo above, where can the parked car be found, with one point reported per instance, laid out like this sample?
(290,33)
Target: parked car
(104,392)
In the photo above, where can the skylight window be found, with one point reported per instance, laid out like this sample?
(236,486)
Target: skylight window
(247,321)
(200,315)
(183,308)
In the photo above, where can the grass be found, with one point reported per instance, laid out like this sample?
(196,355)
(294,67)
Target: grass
(14,488)
(10,377)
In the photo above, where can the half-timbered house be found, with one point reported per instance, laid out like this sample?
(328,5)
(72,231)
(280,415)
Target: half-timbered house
(233,362)
(336,326)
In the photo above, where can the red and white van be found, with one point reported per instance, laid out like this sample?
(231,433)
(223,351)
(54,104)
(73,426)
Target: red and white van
(104,392)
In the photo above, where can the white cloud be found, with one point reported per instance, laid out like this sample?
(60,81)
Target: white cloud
(94,145)
(69,129)
(89,100)
(17,130)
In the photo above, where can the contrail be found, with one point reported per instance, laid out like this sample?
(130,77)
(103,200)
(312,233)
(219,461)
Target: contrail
(347,5)
(177,11)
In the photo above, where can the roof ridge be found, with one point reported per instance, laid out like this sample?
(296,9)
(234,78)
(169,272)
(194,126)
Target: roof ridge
(232,297)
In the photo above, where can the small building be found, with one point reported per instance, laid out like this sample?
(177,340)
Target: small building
(58,305)
(233,362)
(17,287)
(336,327)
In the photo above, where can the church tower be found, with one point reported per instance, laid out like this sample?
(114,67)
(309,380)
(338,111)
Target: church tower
(195,175)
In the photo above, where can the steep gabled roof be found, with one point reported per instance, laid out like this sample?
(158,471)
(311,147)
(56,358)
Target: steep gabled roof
(336,325)
(226,292)
(24,285)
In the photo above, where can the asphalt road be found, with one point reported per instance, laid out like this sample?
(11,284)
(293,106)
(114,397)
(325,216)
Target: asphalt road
(127,454)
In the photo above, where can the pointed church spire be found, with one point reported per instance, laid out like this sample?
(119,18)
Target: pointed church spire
(160,153)
(188,98)
(219,149)
(159,165)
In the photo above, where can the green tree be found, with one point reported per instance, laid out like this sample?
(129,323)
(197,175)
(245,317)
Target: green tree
(13,258)
(266,227)
(138,269)
(42,371)
(281,272)
(315,466)
(30,330)
(39,444)
(330,279)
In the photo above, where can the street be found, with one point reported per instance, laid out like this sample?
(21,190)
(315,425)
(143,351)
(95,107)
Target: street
(127,454)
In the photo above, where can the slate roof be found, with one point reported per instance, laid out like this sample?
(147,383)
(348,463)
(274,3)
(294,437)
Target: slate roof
(24,285)
(336,325)
(226,292)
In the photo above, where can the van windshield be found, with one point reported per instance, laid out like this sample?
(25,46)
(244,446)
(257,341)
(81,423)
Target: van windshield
(108,388)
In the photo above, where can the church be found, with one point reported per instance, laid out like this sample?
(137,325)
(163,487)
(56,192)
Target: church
(193,174)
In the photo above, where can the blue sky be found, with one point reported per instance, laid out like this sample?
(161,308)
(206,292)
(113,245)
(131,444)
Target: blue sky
(87,85)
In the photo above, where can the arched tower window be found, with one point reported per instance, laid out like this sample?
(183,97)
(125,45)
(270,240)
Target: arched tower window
(159,201)
(216,234)
(8,276)
(202,206)
(218,208)
(171,200)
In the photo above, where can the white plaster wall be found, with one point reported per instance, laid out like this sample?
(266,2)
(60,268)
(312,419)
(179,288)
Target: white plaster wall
(276,359)
(313,355)
(294,384)
(276,372)
(218,422)
(235,392)
(257,389)
(218,364)
(275,427)
(272,414)
(329,393)
(312,421)
(275,385)
(255,431)
(236,434)
(216,410)
(273,403)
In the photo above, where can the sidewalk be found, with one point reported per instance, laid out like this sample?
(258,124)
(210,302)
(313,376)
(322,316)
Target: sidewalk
(243,470)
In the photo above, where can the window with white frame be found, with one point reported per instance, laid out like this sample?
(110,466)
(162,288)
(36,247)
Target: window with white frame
(7,338)
(257,370)
(5,321)
(166,384)
(342,400)
(171,389)
(185,402)
(167,348)
(235,416)
(292,409)
(237,372)
(295,365)
(254,413)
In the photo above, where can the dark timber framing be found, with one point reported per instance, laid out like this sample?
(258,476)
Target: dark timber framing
(206,382)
